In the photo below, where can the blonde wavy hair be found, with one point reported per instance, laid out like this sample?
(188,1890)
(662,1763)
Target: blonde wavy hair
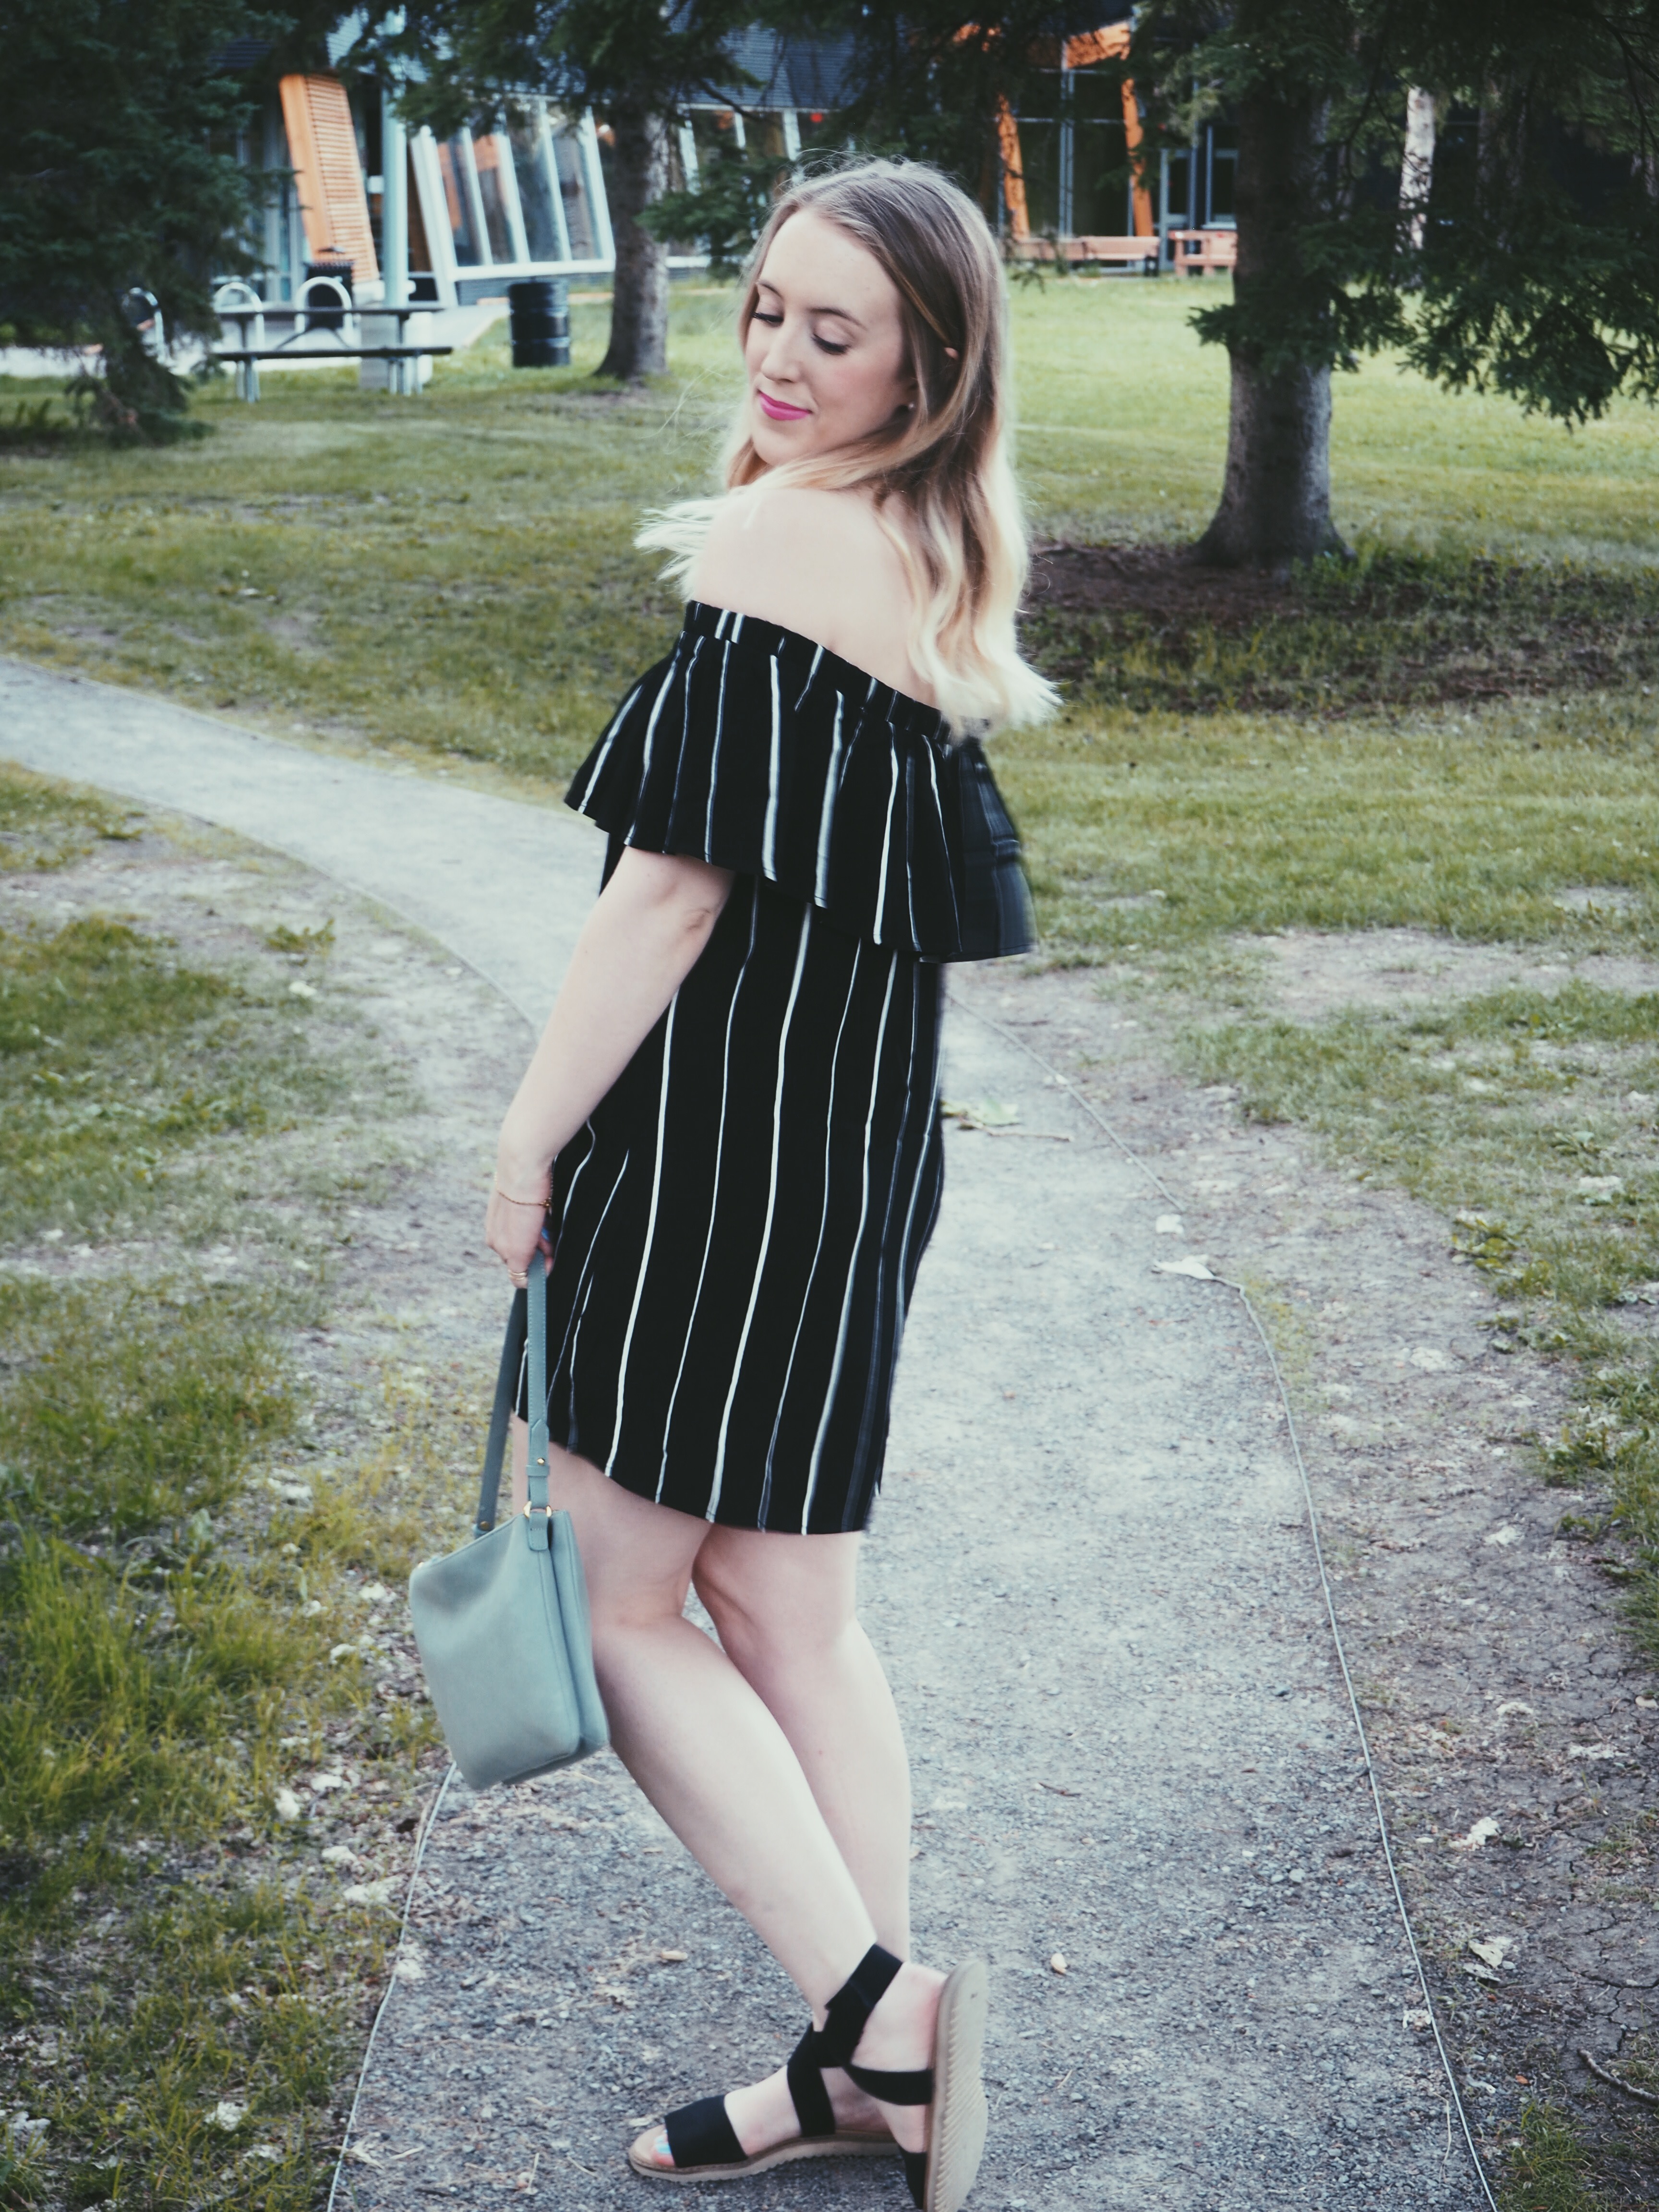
(940,475)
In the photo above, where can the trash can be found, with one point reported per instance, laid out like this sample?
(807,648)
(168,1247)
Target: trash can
(538,323)
(323,311)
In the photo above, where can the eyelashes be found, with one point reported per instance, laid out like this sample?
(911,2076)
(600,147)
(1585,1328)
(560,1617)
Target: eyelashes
(774,322)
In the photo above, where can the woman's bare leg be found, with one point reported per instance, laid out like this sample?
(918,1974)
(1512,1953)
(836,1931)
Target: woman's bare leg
(721,1771)
(785,1608)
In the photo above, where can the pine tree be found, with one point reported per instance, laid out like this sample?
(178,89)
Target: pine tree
(119,174)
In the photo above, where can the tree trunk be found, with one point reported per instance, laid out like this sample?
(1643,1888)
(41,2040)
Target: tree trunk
(1417,169)
(639,299)
(1276,494)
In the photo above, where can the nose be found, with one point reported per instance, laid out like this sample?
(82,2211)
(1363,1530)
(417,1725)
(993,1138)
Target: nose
(779,356)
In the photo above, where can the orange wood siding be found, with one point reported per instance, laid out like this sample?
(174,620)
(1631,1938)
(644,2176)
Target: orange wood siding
(322,146)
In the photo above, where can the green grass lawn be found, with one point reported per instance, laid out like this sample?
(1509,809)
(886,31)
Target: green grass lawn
(184,1625)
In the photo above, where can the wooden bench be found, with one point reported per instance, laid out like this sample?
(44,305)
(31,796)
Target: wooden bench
(1204,252)
(1123,252)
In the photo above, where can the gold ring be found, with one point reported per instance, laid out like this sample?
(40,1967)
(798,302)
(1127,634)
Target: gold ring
(523,1281)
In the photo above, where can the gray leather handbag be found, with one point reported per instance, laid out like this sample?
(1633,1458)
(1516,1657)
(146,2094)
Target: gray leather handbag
(502,1624)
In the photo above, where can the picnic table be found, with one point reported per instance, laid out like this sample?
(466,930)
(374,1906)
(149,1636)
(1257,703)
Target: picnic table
(335,316)
(1201,252)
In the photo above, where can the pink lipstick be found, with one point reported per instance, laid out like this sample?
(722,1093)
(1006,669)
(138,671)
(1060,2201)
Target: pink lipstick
(780,410)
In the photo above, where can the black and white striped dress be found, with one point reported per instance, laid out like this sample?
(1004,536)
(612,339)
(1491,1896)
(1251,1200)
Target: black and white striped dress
(737,1229)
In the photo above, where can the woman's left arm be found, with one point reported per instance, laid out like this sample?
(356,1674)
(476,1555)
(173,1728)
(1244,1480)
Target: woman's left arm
(642,940)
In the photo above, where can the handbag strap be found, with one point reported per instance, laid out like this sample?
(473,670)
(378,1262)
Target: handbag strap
(506,1390)
(526,1320)
(536,1317)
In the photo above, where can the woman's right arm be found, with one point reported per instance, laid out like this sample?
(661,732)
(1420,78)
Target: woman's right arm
(642,940)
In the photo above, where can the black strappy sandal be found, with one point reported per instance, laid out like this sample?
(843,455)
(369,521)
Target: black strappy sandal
(941,2176)
(704,2145)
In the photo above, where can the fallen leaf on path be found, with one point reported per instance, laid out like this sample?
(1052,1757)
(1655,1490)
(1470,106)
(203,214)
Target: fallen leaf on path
(1168,1224)
(1058,1962)
(1476,1836)
(985,1114)
(1494,1951)
(1193,1265)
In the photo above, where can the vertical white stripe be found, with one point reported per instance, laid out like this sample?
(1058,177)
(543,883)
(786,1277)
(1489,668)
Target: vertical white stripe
(771,1207)
(910,845)
(737,627)
(650,1236)
(573,1327)
(886,1219)
(555,1365)
(944,843)
(915,1187)
(827,811)
(887,833)
(852,1269)
(651,727)
(811,672)
(609,739)
(714,761)
(713,1200)
(770,834)
(824,1223)
(685,730)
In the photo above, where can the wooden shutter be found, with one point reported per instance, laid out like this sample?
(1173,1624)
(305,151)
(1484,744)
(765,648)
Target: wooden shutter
(322,147)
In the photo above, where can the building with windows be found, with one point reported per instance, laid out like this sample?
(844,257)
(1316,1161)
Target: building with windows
(463,216)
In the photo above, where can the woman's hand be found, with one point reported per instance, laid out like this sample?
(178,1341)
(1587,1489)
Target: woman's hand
(516,1230)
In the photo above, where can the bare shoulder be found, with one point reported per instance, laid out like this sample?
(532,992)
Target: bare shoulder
(815,562)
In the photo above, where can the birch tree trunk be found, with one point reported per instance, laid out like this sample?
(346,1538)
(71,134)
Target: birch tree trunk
(638,300)
(1417,168)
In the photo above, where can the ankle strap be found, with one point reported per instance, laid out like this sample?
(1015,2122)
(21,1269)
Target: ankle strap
(853,2005)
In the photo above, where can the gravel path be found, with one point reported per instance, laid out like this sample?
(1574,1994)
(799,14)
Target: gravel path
(1092,1578)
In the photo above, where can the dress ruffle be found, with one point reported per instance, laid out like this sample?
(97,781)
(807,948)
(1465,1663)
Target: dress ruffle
(755,748)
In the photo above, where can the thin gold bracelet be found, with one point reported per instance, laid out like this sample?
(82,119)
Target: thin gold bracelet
(540,1203)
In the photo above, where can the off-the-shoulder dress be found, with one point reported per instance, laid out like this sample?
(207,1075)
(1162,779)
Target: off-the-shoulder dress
(737,1228)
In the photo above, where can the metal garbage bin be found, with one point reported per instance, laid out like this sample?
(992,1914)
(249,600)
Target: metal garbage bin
(538,323)
(326,313)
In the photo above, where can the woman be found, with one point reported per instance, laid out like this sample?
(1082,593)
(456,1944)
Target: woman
(732,1125)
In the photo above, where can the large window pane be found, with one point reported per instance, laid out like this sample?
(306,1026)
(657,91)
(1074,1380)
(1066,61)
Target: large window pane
(573,190)
(1039,161)
(451,164)
(1100,181)
(541,227)
(489,153)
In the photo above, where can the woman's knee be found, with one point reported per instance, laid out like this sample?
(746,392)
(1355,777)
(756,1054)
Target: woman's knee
(778,1597)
